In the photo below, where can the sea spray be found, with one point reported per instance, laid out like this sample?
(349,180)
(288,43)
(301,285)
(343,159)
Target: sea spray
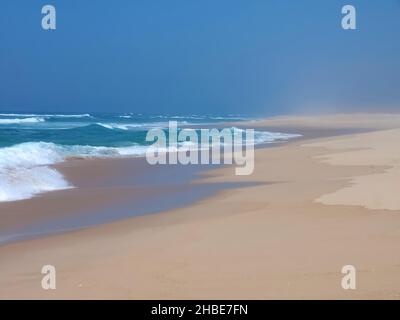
(30,143)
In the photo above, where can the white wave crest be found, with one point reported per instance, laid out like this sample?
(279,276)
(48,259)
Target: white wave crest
(133,126)
(22,121)
(119,126)
(125,116)
(24,171)
(261,137)
(25,168)
(84,115)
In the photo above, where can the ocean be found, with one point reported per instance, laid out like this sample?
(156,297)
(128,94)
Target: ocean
(31,142)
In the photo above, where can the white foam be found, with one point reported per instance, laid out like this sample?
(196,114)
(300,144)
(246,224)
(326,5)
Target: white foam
(21,121)
(25,168)
(133,126)
(119,126)
(84,115)
(264,137)
(125,116)
(25,171)
(261,137)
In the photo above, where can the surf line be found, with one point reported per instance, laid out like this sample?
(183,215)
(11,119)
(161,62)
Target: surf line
(189,147)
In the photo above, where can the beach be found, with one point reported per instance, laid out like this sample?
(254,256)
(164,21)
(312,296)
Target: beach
(312,206)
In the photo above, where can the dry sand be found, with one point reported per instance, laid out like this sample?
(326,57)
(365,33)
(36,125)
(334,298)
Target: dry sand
(323,203)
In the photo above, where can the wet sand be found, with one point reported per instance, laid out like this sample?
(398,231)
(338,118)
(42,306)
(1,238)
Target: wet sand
(104,190)
(286,237)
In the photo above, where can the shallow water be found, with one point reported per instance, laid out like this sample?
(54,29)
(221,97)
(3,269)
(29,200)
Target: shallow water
(157,189)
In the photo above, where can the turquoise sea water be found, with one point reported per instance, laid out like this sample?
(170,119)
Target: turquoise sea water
(31,142)
(110,130)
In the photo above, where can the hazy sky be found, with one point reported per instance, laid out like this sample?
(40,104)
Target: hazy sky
(189,56)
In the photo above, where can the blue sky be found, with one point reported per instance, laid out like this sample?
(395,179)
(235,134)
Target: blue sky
(221,56)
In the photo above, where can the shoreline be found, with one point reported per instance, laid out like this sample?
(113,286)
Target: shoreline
(108,189)
(270,240)
(105,190)
(122,186)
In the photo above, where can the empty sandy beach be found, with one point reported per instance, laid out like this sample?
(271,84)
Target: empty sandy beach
(318,204)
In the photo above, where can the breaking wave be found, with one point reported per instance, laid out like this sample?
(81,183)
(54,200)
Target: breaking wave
(22,120)
(26,168)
